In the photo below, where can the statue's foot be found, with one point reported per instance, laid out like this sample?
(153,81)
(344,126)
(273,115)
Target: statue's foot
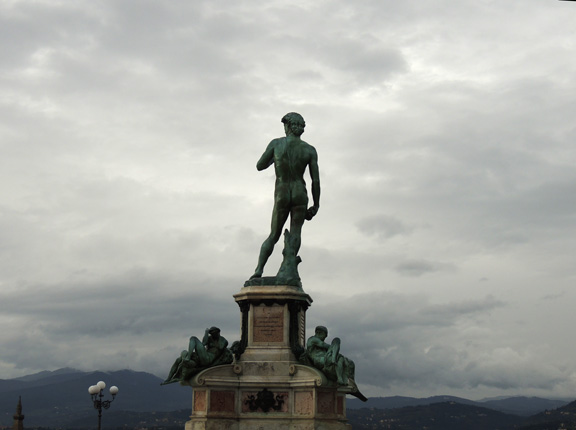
(356,391)
(257,274)
(169,381)
(359,395)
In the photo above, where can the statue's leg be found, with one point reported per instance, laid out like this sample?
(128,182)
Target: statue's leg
(279,217)
(174,369)
(334,349)
(203,357)
(333,355)
(350,368)
(297,217)
(289,268)
(341,371)
(265,253)
(194,341)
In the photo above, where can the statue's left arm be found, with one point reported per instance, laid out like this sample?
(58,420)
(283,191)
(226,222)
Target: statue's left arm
(223,343)
(267,158)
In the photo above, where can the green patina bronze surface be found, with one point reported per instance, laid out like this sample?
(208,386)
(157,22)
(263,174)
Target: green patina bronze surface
(327,358)
(291,157)
(211,351)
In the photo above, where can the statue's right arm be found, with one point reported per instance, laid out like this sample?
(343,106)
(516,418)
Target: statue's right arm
(267,158)
(315,342)
(206,337)
(315,176)
(310,343)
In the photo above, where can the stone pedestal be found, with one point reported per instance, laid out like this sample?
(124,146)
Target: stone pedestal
(266,387)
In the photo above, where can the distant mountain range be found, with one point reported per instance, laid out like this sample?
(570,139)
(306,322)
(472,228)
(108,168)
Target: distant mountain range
(522,406)
(60,399)
(54,399)
(456,416)
(561,418)
(434,416)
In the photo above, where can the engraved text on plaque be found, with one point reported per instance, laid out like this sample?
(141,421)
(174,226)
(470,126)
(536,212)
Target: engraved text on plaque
(268,324)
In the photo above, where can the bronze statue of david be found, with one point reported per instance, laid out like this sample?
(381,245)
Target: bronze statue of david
(291,157)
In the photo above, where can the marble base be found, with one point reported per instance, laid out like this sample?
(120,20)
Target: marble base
(266,387)
(267,395)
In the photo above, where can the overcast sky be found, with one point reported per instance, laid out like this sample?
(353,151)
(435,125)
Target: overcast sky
(131,209)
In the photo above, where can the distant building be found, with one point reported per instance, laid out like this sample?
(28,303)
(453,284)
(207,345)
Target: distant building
(18,417)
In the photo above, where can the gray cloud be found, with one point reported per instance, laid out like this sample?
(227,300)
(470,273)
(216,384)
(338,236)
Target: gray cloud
(415,267)
(366,60)
(382,226)
(421,345)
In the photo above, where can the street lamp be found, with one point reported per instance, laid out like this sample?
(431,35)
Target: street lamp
(97,392)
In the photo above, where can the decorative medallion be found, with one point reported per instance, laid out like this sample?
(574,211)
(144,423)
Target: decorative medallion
(265,401)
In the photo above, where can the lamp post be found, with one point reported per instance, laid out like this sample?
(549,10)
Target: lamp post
(97,392)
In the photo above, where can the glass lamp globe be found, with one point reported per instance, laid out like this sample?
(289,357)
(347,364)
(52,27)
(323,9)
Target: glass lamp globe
(101,384)
(114,390)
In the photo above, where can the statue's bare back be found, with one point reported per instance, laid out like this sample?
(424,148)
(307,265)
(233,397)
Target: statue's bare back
(290,156)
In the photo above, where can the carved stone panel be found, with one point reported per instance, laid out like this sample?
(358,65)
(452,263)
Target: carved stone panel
(222,401)
(303,403)
(340,405)
(268,324)
(326,402)
(199,401)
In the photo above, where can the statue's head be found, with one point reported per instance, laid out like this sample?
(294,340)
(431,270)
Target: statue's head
(295,123)
(321,332)
(214,331)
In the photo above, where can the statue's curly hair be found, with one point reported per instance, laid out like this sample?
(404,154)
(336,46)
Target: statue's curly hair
(295,122)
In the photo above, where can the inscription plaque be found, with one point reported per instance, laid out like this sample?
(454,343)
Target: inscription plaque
(268,324)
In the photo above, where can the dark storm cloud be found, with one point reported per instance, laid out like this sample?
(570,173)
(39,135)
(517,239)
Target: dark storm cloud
(138,304)
(131,304)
